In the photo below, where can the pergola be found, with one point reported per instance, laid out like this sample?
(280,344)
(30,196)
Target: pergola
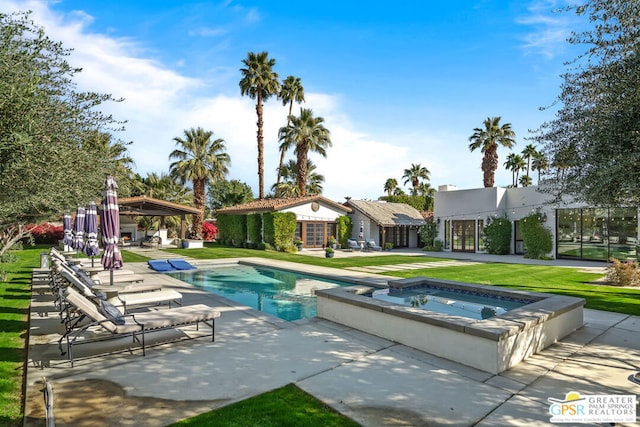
(148,206)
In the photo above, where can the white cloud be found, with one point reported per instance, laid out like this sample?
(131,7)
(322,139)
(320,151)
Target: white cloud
(160,104)
(550,27)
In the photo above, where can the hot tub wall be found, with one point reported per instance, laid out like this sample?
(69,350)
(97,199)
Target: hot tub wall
(492,345)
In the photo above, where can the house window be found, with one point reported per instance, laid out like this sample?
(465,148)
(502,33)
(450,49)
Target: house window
(597,233)
(480,235)
(447,234)
(464,236)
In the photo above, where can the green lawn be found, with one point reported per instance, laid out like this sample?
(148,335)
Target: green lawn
(287,406)
(266,410)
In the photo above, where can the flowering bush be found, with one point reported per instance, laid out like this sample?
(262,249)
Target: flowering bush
(209,231)
(46,233)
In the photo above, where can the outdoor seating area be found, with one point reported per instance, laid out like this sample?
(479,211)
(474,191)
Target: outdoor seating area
(93,311)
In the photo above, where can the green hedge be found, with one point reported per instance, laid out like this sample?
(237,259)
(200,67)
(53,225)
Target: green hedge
(284,230)
(537,238)
(267,229)
(344,229)
(497,236)
(254,228)
(232,229)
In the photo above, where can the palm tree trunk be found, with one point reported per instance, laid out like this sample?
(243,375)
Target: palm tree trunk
(283,151)
(302,168)
(260,146)
(199,201)
(489,165)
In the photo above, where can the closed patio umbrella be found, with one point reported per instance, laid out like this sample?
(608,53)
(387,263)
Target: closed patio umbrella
(110,226)
(78,230)
(91,248)
(68,232)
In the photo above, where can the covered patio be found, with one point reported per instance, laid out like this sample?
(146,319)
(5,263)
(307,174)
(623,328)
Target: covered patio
(148,206)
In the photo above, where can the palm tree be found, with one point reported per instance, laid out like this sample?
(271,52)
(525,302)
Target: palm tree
(428,192)
(540,163)
(528,153)
(398,191)
(515,163)
(116,154)
(199,160)
(390,185)
(259,81)
(291,91)
(414,174)
(487,140)
(308,134)
(525,180)
(289,188)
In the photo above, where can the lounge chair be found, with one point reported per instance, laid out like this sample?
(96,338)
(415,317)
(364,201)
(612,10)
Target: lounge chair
(129,299)
(372,246)
(135,325)
(160,265)
(180,264)
(353,244)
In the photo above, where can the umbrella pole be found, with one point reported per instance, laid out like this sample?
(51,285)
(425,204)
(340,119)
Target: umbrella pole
(111,277)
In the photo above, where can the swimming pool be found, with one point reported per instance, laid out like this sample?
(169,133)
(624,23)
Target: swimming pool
(287,295)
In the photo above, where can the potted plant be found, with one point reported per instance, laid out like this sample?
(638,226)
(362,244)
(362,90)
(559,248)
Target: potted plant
(332,242)
(388,246)
(329,252)
(298,244)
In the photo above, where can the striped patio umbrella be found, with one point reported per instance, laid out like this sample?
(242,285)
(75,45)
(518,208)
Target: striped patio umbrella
(68,232)
(91,248)
(110,226)
(78,230)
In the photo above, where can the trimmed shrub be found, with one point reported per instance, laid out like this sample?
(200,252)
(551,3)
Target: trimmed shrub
(345,228)
(284,231)
(268,235)
(254,228)
(497,236)
(537,238)
(428,234)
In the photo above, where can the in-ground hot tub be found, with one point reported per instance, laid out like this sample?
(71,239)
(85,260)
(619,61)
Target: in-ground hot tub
(493,344)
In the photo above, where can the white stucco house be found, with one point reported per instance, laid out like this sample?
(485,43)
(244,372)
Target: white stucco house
(579,231)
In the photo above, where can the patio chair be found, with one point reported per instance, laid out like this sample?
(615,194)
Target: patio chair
(136,326)
(372,246)
(180,264)
(353,244)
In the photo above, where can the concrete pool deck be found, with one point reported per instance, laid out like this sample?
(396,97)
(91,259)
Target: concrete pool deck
(372,380)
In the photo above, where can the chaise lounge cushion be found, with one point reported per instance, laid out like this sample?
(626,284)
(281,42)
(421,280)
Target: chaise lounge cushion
(111,312)
(160,265)
(180,264)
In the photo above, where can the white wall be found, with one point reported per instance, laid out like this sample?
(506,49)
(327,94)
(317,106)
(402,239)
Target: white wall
(306,213)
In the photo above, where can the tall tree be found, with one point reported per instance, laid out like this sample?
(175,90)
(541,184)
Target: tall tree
(47,163)
(415,174)
(529,152)
(199,159)
(163,187)
(290,91)
(309,135)
(389,185)
(488,139)
(540,163)
(225,193)
(515,163)
(594,140)
(259,82)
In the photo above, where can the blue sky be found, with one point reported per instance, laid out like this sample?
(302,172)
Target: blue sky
(396,82)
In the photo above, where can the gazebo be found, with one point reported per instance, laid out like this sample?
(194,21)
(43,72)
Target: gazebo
(148,206)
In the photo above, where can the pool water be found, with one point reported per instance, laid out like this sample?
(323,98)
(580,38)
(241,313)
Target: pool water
(449,302)
(287,295)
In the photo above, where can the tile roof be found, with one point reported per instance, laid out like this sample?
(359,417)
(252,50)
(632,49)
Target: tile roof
(388,214)
(276,204)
